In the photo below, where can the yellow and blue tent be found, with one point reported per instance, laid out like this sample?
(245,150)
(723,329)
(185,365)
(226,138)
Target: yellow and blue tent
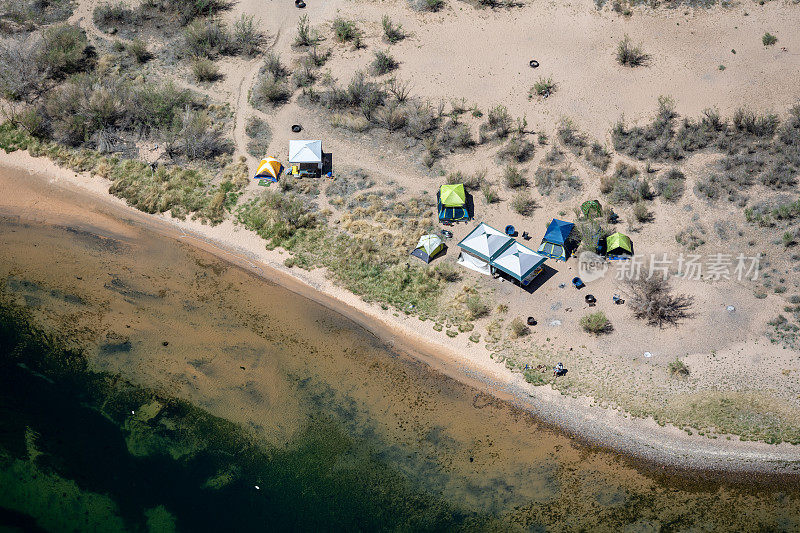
(269,168)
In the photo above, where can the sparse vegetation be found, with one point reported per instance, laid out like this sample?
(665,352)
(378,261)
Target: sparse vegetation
(383,63)
(678,368)
(544,87)
(490,196)
(518,328)
(631,55)
(305,35)
(523,203)
(392,33)
(514,178)
(476,307)
(652,300)
(345,30)
(768,39)
(205,70)
(596,323)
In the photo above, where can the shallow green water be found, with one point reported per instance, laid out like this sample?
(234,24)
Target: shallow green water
(148,385)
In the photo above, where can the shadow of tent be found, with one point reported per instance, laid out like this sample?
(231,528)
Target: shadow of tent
(469,204)
(546,273)
(327,163)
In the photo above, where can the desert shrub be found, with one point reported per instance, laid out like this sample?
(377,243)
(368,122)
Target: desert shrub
(476,307)
(207,38)
(458,135)
(758,125)
(768,39)
(63,50)
(84,106)
(598,156)
(205,70)
(383,63)
(514,178)
(518,328)
(625,186)
(677,368)
(304,74)
(398,89)
(543,87)
(138,51)
(156,106)
(631,55)
(523,203)
(652,141)
(642,213)
(247,39)
(392,33)
(260,135)
(316,57)
(428,5)
(196,138)
(671,186)
(273,66)
(21,71)
(489,194)
(269,91)
(596,323)
(779,176)
(517,149)
(305,35)
(549,180)
(500,121)
(652,300)
(471,182)
(344,30)
(189,10)
(108,15)
(570,136)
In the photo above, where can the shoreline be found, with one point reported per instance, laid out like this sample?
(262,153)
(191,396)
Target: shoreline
(638,440)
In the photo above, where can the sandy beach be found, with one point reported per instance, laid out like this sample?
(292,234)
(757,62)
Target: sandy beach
(34,185)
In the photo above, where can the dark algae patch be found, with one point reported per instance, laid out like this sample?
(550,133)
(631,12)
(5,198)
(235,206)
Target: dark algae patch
(84,450)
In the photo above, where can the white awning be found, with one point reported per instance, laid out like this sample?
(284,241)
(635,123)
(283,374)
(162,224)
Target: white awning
(305,152)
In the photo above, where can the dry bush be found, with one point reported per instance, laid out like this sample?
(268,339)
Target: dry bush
(596,323)
(523,203)
(631,55)
(205,70)
(392,32)
(652,300)
(517,149)
(383,63)
(518,328)
(138,51)
(476,307)
(269,91)
(514,178)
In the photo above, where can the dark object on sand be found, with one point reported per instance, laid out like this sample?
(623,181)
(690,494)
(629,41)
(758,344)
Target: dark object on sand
(531,321)
(299,3)
(297,128)
(578,282)
(447,233)
(534,63)
(590,299)
(526,236)
(559,370)
(510,231)
(165,343)
(617,300)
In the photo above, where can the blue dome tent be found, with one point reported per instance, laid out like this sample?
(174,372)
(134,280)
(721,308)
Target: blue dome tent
(554,243)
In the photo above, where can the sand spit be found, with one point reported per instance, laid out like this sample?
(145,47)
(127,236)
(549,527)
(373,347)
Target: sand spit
(29,181)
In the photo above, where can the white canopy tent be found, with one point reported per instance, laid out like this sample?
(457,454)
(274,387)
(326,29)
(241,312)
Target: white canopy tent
(305,153)
(519,262)
(481,246)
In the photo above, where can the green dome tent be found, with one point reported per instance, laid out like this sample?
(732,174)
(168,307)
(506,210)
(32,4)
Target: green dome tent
(592,208)
(428,247)
(452,200)
(618,244)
